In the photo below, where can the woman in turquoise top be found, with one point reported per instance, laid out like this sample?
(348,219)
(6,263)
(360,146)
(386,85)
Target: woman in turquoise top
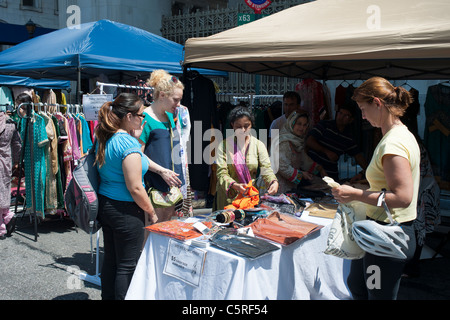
(160,136)
(123,201)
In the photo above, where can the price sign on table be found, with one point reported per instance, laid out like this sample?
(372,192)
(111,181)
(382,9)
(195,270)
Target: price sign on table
(184,262)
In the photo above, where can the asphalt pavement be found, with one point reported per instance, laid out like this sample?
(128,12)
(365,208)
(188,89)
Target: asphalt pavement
(47,269)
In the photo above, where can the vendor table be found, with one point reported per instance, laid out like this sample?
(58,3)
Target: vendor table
(300,271)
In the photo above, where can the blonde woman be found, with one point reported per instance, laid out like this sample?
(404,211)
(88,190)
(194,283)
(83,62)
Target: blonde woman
(160,137)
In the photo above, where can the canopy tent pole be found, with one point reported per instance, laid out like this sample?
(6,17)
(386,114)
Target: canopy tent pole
(79,86)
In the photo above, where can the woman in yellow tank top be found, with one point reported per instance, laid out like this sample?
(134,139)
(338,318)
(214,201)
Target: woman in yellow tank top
(395,166)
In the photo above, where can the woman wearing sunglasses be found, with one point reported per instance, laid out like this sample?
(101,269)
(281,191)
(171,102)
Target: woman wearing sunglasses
(123,201)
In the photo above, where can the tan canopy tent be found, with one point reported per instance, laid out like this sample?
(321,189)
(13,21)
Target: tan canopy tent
(336,39)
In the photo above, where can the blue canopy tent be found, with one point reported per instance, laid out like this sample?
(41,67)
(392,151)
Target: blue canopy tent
(13,34)
(11,81)
(119,51)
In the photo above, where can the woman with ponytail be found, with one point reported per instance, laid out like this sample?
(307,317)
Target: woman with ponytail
(123,201)
(395,167)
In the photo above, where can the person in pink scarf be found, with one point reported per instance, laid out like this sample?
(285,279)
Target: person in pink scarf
(238,159)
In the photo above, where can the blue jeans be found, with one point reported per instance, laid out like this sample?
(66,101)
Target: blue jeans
(123,235)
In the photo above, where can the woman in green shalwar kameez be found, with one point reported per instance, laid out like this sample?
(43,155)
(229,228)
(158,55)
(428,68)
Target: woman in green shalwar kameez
(238,159)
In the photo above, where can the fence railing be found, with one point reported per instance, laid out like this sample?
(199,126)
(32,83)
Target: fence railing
(205,23)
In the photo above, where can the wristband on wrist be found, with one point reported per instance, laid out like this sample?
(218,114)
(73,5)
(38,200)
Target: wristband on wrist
(298,178)
(229,188)
(294,175)
(314,169)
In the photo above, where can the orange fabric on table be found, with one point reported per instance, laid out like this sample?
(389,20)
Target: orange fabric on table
(247,200)
(177,229)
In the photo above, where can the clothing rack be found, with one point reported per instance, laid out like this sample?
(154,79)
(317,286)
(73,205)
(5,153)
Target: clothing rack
(95,279)
(250,96)
(101,85)
(77,107)
(28,135)
(254,97)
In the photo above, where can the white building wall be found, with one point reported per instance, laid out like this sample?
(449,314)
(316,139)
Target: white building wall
(143,14)
(44,15)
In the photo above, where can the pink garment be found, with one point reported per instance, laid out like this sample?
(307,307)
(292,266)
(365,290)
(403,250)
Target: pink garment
(312,95)
(76,153)
(5,217)
(240,165)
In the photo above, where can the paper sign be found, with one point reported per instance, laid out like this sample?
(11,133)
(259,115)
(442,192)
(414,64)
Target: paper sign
(184,262)
(92,104)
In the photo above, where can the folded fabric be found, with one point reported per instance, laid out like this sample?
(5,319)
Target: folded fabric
(177,229)
(283,229)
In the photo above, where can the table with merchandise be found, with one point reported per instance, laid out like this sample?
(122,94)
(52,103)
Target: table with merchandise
(275,255)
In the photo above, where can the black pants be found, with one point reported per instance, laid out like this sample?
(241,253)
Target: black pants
(123,235)
(378,278)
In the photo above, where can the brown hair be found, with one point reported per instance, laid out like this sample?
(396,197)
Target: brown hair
(396,99)
(110,117)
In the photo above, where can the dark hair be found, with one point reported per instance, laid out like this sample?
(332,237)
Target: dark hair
(110,116)
(23,98)
(349,107)
(396,99)
(292,95)
(240,112)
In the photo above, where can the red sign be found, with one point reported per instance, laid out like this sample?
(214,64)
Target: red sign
(258,5)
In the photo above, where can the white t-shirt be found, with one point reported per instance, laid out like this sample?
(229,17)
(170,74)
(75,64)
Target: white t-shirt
(278,123)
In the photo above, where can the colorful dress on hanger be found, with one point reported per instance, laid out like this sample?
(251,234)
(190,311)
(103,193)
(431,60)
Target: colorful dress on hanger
(312,95)
(59,174)
(5,97)
(39,142)
(10,147)
(51,160)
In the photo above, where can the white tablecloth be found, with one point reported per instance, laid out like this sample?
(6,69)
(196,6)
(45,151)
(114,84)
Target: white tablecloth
(300,271)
